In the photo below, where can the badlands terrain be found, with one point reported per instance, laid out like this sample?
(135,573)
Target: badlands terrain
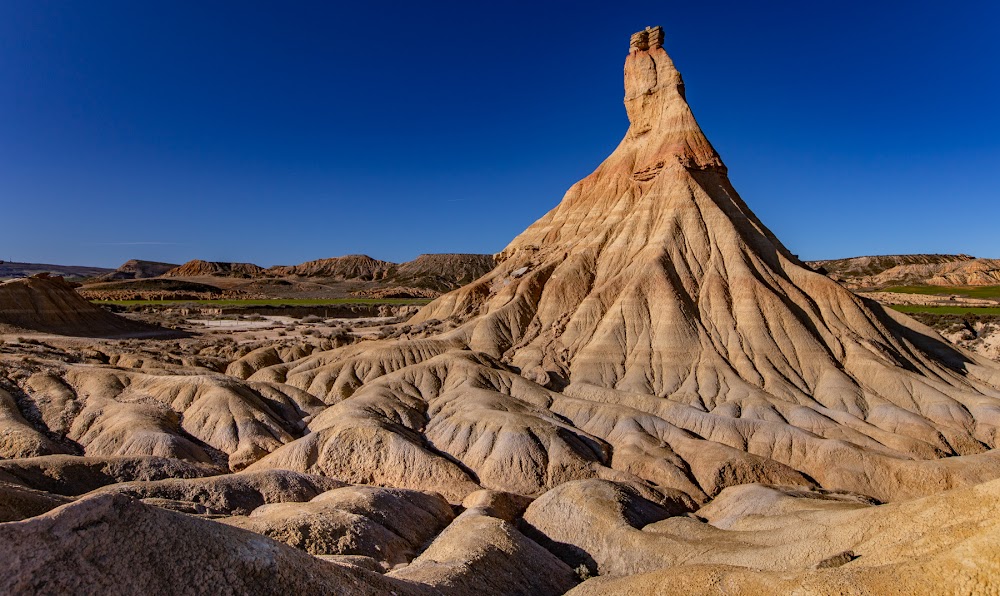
(957,295)
(902,270)
(427,276)
(648,394)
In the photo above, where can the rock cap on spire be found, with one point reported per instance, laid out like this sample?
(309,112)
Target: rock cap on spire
(649,38)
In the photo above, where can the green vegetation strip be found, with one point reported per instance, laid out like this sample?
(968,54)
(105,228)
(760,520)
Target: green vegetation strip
(267,302)
(947,310)
(983,292)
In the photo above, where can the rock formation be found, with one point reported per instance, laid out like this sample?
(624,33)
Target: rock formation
(197,268)
(354,267)
(391,526)
(650,328)
(434,271)
(854,267)
(137,269)
(51,305)
(664,312)
(14,270)
(110,543)
(782,542)
(904,270)
(443,271)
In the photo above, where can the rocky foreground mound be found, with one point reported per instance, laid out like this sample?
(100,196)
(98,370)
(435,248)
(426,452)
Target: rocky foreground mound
(51,305)
(648,394)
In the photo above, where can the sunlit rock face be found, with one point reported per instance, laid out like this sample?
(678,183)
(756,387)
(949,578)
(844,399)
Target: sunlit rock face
(653,299)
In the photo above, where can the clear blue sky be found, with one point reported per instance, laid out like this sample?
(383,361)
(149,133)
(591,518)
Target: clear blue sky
(277,132)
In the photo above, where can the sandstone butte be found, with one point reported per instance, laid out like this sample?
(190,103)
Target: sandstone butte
(648,395)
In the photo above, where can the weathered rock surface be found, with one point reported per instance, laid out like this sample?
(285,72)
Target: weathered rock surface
(51,305)
(230,494)
(75,475)
(942,543)
(385,524)
(260,358)
(19,502)
(598,525)
(354,267)
(506,506)
(138,269)
(198,268)
(905,270)
(435,271)
(452,423)
(182,414)
(616,534)
(478,554)
(443,271)
(111,543)
(18,438)
(870,266)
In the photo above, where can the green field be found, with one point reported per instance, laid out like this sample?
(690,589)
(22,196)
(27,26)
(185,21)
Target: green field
(266,302)
(946,310)
(982,292)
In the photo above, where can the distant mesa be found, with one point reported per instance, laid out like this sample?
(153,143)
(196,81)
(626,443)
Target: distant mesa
(358,275)
(137,269)
(349,267)
(872,272)
(439,272)
(444,271)
(15,269)
(198,268)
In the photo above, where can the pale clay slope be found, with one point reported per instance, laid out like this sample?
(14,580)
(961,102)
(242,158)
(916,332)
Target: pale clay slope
(643,351)
(946,543)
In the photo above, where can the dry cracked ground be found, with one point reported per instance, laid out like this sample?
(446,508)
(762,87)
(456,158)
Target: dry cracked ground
(648,395)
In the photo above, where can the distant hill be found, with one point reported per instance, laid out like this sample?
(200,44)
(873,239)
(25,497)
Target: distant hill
(361,275)
(443,271)
(197,268)
(138,269)
(350,267)
(871,272)
(13,269)
(435,271)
